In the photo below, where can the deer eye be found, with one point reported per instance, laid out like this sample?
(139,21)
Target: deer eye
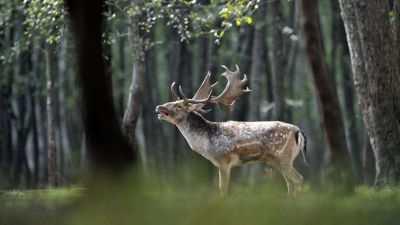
(179,106)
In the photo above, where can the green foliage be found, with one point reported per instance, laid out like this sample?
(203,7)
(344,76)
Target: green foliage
(44,18)
(190,19)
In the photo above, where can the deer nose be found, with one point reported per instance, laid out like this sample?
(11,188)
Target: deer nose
(158,108)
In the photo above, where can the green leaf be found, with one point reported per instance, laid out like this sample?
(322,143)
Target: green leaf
(248,19)
(238,21)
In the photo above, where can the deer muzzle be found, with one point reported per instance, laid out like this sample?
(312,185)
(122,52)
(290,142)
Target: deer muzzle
(162,111)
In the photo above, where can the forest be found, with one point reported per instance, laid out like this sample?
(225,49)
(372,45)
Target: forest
(83,85)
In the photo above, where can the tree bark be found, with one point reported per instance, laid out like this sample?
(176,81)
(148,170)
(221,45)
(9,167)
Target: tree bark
(376,79)
(337,157)
(257,65)
(108,150)
(6,135)
(134,106)
(353,137)
(121,77)
(33,89)
(245,47)
(53,172)
(277,61)
(396,31)
(368,163)
(151,92)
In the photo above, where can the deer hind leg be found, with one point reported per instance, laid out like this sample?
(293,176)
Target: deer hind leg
(224,174)
(294,181)
(289,183)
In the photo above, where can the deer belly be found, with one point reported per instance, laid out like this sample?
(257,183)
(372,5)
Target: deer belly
(244,153)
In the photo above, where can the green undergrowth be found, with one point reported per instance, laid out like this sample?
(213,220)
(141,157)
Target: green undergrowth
(145,202)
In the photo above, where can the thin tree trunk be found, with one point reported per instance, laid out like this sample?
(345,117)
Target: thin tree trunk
(52,167)
(134,106)
(337,154)
(121,76)
(43,136)
(65,149)
(22,136)
(22,125)
(277,61)
(291,58)
(34,119)
(376,79)
(257,62)
(245,47)
(212,65)
(149,104)
(335,39)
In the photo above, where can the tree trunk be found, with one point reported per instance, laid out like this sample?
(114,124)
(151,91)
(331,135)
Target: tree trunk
(337,154)
(376,79)
(121,76)
(277,61)
(213,66)
(396,31)
(6,134)
(22,122)
(368,163)
(33,89)
(109,152)
(257,65)
(245,47)
(151,92)
(134,106)
(291,54)
(349,111)
(52,167)
(63,138)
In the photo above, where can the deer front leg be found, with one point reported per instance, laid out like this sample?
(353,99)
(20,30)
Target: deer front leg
(224,174)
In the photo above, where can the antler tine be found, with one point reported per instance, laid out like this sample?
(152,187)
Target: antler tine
(194,101)
(173,91)
(233,89)
(182,94)
(204,88)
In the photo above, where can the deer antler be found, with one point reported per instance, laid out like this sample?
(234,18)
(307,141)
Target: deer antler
(173,92)
(205,88)
(233,89)
(194,101)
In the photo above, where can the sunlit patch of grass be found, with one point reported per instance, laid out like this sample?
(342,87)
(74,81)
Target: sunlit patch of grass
(46,198)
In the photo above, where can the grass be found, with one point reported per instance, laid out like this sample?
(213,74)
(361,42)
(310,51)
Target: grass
(138,202)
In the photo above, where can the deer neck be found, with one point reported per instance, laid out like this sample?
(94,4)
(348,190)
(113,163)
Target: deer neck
(198,131)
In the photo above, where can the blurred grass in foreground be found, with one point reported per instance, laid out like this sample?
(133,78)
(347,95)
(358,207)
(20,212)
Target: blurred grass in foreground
(138,202)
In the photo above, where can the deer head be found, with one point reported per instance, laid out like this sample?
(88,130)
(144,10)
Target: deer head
(176,111)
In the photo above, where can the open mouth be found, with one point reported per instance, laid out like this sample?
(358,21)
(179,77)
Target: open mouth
(162,112)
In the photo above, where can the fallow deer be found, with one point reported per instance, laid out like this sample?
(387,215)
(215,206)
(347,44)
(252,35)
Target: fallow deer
(232,143)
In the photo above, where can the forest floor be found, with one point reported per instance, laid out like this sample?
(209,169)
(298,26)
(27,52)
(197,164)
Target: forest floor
(133,203)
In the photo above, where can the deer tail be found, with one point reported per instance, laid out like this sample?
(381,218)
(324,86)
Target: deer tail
(302,144)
